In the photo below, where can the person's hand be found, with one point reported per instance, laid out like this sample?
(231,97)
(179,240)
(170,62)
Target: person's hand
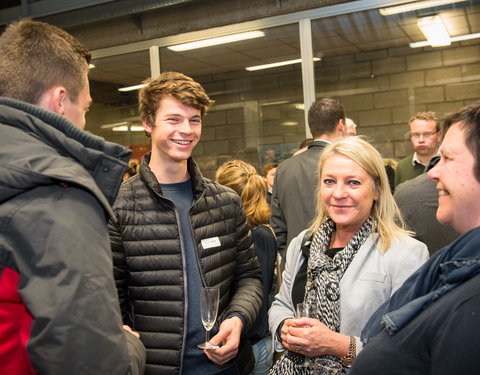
(310,337)
(128,329)
(229,336)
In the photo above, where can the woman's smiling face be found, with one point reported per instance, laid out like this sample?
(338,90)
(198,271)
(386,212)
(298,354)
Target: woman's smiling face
(458,189)
(347,192)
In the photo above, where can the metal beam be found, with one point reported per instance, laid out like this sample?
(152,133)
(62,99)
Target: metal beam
(322,12)
(106,9)
(308,72)
(44,8)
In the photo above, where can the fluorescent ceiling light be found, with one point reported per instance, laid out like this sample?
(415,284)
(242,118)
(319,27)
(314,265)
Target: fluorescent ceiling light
(108,126)
(126,128)
(434,30)
(290,123)
(216,41)
(122,128)
(459,38)
(280,102)
(91,66)
(416,6)
(274,65)
(131,88)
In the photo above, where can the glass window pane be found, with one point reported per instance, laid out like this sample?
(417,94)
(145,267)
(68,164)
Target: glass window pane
(367,64)
(257,115)
(114,114)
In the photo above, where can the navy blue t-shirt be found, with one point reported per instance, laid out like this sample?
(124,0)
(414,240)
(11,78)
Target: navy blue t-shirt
(194,360)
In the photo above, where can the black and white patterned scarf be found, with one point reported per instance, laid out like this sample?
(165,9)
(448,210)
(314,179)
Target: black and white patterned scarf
(323,289)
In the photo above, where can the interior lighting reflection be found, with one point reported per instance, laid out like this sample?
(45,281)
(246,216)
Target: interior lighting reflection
(277,64)
(434,30)
(216,41)
(126,128)
(409,7)
(459,38)
(131,88)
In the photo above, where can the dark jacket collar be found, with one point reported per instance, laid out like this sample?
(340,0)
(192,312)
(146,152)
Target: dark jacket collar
(148,177)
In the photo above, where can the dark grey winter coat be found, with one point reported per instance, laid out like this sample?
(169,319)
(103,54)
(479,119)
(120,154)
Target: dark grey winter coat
(58,305)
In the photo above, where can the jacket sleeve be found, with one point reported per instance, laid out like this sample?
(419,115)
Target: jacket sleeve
(403,264)
(64,261)
(277,219)
(120,270)
(282,306)
(247,297)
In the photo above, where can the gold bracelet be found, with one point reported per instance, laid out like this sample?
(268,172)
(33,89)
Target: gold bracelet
(352,353)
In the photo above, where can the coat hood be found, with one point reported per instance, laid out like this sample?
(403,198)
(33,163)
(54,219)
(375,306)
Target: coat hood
(40,147)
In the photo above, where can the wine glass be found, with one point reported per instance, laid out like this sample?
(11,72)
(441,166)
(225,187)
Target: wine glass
(208,310)
(306,310)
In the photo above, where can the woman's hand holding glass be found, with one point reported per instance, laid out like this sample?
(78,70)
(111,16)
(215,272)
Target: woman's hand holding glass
(311,338)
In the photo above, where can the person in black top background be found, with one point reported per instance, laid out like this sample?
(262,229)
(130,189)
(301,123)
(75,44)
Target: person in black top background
(243,178)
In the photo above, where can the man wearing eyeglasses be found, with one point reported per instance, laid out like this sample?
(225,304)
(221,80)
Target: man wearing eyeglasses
(425,134)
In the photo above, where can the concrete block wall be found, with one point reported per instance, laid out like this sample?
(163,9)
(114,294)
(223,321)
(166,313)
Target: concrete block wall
(382,89)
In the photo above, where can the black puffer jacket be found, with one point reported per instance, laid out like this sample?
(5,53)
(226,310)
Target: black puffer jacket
(149,266)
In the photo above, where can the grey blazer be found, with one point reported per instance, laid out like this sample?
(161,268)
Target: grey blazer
(370,279)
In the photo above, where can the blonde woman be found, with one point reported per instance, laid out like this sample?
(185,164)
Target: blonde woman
(250,186)
(352,258)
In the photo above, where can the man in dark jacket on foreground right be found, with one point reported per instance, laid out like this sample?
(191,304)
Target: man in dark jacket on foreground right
(59,309)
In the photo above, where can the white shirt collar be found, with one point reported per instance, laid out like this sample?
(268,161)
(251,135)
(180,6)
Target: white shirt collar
(415,159)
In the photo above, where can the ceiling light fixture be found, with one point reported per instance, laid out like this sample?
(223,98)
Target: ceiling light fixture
(131,88)
(274,65)
(459,38)
(216,41)
(409,7)
(126,128)
(108,126)
(290,123)
(434,30)
(280,102)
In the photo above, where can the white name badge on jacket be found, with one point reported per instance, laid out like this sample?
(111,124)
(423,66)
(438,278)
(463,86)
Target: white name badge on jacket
(207,243)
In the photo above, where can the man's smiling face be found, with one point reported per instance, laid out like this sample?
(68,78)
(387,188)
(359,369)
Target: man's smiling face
(176,131)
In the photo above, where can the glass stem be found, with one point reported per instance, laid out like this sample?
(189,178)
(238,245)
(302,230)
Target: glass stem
(207,336)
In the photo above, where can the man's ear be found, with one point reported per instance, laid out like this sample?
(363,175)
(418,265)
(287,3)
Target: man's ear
(54,100)
(341,127)
(148,128)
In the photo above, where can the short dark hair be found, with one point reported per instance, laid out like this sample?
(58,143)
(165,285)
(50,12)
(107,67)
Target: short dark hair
(323,116)
(468,118)
(178,86)
(35,56)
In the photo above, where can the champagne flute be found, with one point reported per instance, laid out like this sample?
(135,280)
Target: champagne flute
(306,310)
(208,310)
